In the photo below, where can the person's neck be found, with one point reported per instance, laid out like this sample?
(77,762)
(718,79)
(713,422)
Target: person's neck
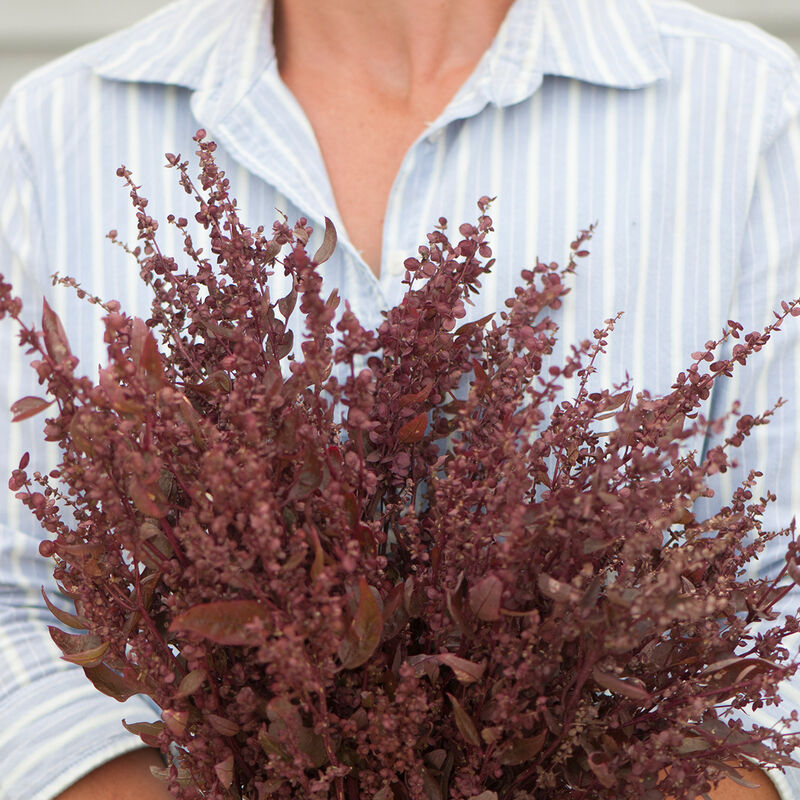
(390,47)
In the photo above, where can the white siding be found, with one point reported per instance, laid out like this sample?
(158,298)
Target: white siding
(36,31)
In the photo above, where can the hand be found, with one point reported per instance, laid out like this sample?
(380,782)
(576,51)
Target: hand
(730,790)
(125,778)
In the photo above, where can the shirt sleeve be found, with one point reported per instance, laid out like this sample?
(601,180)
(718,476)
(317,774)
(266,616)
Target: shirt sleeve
(769,273)
(55,727)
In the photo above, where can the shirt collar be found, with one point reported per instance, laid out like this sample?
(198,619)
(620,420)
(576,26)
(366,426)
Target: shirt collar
(615,43)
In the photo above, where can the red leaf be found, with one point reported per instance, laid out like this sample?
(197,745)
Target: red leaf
(319,557)
(328,244)
(70,620)
(29,407)
(309,478)
(464,723)
(455,605)
(146,499)
(224,621)
(113,684)
(284,345)
(89,658)
(792,568)
(468,328)
(271,746)
(465,671)
(557,590)
(523,750)
(222,724)
(598,763)
(417,397)
(414,430)
(148,732)
(621,686)
(150,361)
(484,598)
(286,304)
(55,338)
(191,682)
(365,631)
(224,770)
(69,643)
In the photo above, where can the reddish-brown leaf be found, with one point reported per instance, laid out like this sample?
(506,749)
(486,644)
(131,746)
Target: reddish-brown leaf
(69,643)
(224,622)
(364,634)
(464,723)
(146,498)
(221,725)
(271,746)
(625,687)
(484,598)
(151,362)
(286,304)
(319,557)
(55,338)
(70,620)
(88,658)
(414,430)
(224,771)
(598,763)
(557,590)
(328,244)
(309,478)
(468,328)
(523,750)
(191,682)
(465,671)
(27,407)
(113,684)
(416,397)
(148,732)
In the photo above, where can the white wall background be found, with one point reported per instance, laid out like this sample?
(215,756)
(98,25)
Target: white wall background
(33,32)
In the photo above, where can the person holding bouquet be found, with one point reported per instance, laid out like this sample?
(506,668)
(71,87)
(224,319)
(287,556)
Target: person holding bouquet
(676,131)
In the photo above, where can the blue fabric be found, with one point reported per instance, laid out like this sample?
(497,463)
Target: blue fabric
(675,130)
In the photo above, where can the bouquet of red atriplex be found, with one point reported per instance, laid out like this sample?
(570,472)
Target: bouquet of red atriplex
(374,569)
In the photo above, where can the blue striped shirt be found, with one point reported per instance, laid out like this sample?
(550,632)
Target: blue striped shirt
(675,130)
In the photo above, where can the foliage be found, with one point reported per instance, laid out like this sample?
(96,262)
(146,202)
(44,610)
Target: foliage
(339,575)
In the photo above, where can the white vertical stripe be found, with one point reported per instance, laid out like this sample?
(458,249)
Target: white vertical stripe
(641,341)
(94,182)
(133,158)
(610,205)
(717,187)
(793,408)
(194,51)
(682,168)
(569,329)
(556,37)
(598,59)
(533,159)
(500,206)
(611,9)
(246,58)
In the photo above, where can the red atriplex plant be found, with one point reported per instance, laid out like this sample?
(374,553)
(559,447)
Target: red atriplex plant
(363,582)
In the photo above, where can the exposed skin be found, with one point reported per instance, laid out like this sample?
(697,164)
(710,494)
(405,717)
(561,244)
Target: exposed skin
(370,75)
(125,778)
